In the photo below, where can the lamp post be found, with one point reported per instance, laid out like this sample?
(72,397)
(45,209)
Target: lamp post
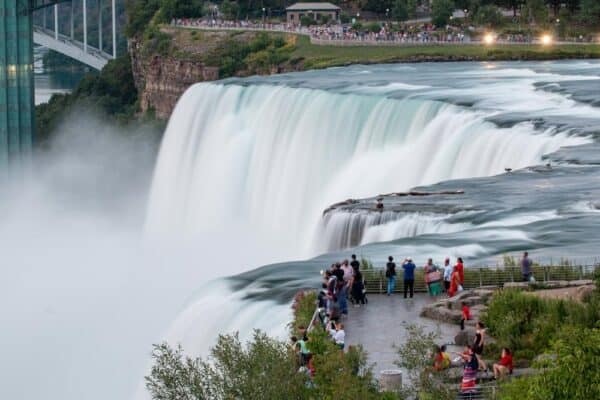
(387,14)
(263,10)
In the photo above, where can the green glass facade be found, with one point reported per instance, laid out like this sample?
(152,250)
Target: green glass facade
(17,105)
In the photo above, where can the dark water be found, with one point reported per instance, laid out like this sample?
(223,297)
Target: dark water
(49,82)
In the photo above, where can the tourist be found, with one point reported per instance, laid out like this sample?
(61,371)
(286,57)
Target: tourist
(379,204)
(322,296)
(336,269)
(460,267)
(441,359)
(301,350)
(354,263)
(447,273)
(433,278)
(505,365)
(337,333)
(390,274)
(347,269)
(470,368)
(331,282)
(526,267)
(358,294)
(479,343)
(409,277)
(465,315)
(454,283)
(342,296)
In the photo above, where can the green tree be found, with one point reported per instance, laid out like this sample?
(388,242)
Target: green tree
(235,372)
(416,357)
(489,15)
(229,9)
(378,6)
(513,5)
(570,370)
(411,7)
(400,10)
(535,12)
(590,12)
(441,11)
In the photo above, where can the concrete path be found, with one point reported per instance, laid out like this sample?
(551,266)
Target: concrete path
(381,323)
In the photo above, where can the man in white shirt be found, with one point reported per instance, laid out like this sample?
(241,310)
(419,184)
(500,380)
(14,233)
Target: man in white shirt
(447,273)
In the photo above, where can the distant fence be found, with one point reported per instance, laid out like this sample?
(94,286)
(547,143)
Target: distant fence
(376,282)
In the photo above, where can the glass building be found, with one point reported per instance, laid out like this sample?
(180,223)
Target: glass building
(17,106)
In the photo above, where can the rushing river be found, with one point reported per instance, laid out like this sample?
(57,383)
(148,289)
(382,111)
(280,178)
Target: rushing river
(102,259)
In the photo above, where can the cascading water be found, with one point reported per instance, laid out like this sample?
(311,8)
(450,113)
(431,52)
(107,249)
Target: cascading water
(265,160)
(344,229)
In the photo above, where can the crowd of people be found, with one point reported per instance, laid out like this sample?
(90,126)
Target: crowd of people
(344,284)
(424,33)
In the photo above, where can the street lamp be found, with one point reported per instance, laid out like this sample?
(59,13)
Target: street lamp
(387,12)
(263,10)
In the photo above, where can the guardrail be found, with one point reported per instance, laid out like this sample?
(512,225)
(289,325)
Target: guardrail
(376,282)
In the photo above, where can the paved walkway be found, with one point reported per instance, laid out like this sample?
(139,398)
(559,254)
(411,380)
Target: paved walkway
(381,323)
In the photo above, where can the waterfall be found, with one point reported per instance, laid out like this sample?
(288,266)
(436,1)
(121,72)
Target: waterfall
(344,229)
(264,161)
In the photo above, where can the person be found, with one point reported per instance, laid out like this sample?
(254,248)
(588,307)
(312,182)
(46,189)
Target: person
(299,346)
(526,267)
(390,274)
(470,368)
(441,359)
(409,277)
(432,278)
(354,263)
(379,204)
(338,334)
(479,343)
(447,274)
(357,289)
(465,316)
(505,365)
(454,283)
(336,269)
(322,297)
(331,282)
(460,267)
(347,269)
(342,296)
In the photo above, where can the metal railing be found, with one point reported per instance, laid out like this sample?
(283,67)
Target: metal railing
(376,282)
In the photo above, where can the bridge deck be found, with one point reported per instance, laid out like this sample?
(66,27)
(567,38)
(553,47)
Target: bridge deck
(381,323)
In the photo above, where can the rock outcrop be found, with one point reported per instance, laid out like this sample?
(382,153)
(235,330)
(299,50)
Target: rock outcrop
(161,80)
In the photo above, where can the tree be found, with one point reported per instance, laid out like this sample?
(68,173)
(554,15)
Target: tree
(411,7)
(535,11)
(235,372)
(378,6)
(416,357)
(590,12)
(489,15)
(570,370)
(400,10)
(441,11)
(229,9)
(514,5)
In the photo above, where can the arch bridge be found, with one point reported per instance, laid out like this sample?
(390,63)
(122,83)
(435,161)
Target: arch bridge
(18,33)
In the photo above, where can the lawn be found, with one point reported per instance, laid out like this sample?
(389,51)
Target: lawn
(316,56)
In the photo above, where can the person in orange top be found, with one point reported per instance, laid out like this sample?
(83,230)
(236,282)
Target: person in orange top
(505,365)
(454,283)
(461,270)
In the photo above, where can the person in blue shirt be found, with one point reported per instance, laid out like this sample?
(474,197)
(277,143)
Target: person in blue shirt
(409,276)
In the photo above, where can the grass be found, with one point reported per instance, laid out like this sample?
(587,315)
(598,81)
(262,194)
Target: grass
(316,56)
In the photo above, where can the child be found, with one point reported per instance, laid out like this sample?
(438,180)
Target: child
(339,336)
(466,315)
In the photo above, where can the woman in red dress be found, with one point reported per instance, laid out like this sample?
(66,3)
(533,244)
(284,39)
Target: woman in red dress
(454,283)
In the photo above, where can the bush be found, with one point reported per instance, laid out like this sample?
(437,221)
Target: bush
(489,15)
(570,370)
(374,27)
(441,11)
(307,21)
(528,324)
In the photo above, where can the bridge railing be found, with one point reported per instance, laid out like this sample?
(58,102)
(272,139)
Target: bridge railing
(376,281)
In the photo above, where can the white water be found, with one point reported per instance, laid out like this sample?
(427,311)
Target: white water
(343,229)
(264,161)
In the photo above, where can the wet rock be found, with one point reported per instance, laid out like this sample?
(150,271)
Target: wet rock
(442,313)
(464,338)
(516,285)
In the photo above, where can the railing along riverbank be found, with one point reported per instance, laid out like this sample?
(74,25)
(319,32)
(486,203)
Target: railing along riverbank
(477,277)
(366,40)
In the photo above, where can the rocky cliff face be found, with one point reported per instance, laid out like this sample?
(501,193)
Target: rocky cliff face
(161,80)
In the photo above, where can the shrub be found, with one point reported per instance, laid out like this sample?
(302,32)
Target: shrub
(489,15)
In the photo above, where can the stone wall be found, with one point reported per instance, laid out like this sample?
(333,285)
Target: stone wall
(162,80)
